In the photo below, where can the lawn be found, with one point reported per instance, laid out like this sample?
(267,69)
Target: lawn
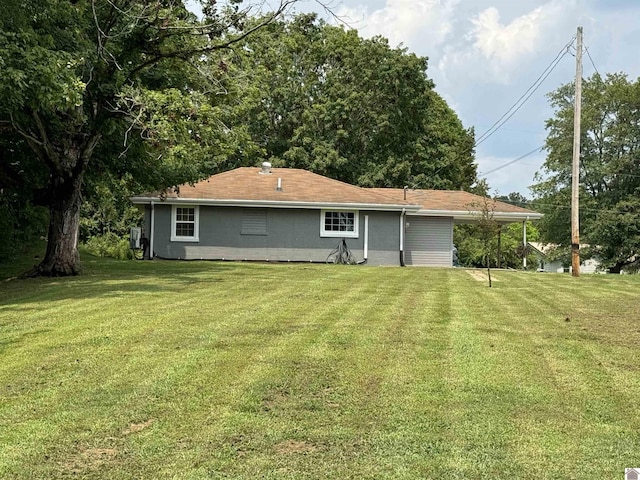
(199,370)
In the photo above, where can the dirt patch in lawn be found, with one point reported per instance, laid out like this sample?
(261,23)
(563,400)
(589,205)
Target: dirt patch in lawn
(295,446)
(136,427)
(274,400)
(90,459)
(480,276)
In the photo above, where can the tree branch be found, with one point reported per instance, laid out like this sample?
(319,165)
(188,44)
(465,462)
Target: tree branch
(221,46)
(86,153)
(36,145)
(46,145)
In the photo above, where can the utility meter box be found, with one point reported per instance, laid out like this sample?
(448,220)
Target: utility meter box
(134,238)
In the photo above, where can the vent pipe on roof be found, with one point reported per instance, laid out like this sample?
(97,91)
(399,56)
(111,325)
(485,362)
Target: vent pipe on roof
(279,187)
(266,168)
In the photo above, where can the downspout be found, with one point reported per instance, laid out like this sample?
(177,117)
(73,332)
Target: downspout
(366,238)
(153,221)
(402,215)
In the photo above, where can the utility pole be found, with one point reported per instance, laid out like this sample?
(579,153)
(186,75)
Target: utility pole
(575,170)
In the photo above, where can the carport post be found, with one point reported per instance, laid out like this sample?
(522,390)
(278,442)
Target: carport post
(499,245)
(524,244)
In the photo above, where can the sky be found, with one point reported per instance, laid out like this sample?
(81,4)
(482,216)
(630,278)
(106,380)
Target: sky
(484,55)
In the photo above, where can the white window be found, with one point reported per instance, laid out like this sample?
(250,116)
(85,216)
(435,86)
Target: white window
(339,223)
(184,224)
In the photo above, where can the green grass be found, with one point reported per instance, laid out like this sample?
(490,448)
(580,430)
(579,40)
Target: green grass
(197,370)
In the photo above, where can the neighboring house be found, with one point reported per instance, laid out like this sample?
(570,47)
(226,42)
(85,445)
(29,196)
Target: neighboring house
(284,214)
(546,263)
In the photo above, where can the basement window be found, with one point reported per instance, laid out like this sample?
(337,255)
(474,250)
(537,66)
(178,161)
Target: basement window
(185,224)
(339,223)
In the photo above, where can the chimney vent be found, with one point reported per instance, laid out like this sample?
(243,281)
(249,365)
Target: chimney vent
(279,187)
(266,168)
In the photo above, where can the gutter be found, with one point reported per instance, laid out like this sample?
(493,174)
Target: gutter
(498,216)
(278,204)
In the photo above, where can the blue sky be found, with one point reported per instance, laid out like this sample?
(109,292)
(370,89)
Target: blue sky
(485,54)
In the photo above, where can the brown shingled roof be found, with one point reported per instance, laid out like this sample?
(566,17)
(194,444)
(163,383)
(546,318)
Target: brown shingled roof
(248,184)
(449,200)
(298,186)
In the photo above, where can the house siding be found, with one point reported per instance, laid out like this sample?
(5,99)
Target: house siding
(429,241)
(291,235)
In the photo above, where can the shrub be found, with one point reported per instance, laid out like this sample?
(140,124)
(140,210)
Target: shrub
(109,245)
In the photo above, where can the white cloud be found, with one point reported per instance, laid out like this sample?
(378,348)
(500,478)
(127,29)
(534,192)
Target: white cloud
(506,43)
(404,21)
(493,50)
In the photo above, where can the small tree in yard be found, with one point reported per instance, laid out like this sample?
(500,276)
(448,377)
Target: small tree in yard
(488,228)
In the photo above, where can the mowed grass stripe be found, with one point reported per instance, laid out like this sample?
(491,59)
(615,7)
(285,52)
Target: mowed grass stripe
(154,363)
(218,370)
(307,401)
(385,415)
(479,402)
(576,385)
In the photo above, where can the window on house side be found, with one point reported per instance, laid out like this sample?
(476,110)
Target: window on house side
(339,223)
(184,224)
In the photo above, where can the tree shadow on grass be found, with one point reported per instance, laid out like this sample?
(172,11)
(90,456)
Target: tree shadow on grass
(105,277)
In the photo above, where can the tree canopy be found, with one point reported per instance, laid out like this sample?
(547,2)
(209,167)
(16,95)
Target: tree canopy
(92,88)
(322,98)
(609,170)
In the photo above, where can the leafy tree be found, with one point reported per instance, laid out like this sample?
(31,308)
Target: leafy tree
(515,198)
(322,98)
(505,248)
(21,223)
(109,209)
(609,170)
(95,87)
(468,238)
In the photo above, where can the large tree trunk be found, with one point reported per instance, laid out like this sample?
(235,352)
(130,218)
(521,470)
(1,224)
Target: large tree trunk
(67,160)
(62,258)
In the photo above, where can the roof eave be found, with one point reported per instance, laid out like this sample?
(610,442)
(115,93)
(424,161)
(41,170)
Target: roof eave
(497,216)
(274,204)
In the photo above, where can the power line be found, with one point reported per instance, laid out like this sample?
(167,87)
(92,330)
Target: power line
(615,174)
(535,203)
(586,49)
(519,103)
(531,204)
(526,95)
(537,149)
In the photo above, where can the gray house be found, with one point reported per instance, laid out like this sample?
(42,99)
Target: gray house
(283,214)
